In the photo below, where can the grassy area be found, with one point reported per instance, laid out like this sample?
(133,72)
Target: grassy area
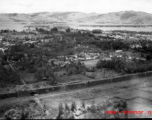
(102,74)
(62,77)
(28,77)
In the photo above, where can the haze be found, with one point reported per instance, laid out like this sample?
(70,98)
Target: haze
(86,6)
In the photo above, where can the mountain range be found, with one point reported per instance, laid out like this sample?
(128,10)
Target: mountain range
(122,17)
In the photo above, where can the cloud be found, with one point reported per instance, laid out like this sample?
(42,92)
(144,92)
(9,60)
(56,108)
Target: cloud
(88,6)
(25,5)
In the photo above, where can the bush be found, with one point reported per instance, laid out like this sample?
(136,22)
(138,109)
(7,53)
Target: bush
(75,68)
(115,64)
(46,72)
(32,69)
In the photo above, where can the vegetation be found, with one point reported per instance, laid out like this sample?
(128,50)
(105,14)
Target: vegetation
(75,68)
(121,66)
(8,76)
(97,31)
(33,57)
(98,111)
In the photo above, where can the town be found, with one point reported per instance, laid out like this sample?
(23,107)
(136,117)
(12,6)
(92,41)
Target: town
(57,55)
(60,50)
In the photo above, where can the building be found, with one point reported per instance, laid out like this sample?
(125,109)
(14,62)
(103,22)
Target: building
(107,58)
(29,28)
(118,51)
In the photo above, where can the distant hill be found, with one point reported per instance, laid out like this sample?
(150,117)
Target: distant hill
(123,17)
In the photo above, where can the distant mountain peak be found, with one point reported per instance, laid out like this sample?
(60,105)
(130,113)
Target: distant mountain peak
(121,17)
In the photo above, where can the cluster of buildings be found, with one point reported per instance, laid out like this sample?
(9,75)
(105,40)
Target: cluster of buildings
(60,28)
(121,54)
(84,56)
(64,60)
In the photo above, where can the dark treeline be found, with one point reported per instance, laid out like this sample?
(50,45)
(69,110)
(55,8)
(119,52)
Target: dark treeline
(132,32)
(111,44)
(121,66)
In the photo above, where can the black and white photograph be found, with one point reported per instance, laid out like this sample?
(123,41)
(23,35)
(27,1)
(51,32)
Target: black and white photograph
(75,59)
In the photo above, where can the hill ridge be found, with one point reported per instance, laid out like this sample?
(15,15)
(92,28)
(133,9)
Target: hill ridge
(121,17)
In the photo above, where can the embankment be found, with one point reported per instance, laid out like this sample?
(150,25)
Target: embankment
(75,85)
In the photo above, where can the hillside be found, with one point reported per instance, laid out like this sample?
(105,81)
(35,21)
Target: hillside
(123,17)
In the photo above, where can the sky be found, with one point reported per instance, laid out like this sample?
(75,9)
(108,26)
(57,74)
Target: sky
(86,6)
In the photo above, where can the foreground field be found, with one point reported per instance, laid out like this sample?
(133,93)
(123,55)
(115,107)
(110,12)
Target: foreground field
(137,93)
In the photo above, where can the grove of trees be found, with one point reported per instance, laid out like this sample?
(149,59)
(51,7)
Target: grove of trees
(121,66)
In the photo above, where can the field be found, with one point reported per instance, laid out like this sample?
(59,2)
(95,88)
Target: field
(91,63)
(63,78)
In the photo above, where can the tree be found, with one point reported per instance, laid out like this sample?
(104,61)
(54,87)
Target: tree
(24,115)
(54,29)
(73,106)
(93,107)
(68,30)
(67,108)
(8,77)
(97,31)
(83,105)
(61,111)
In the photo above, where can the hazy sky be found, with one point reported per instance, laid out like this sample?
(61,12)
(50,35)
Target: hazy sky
(87,6)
